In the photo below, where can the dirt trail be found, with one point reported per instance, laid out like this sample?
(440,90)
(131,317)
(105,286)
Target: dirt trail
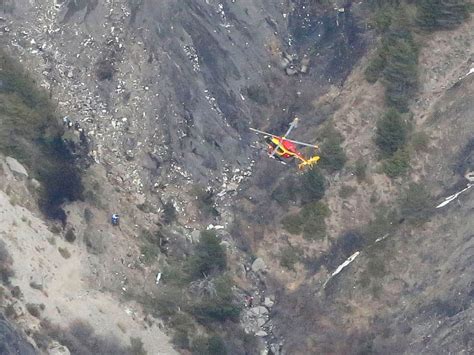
(66,294)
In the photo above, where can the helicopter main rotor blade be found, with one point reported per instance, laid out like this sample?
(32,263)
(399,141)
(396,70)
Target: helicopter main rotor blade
(263,132)
(301,143)
(289,140)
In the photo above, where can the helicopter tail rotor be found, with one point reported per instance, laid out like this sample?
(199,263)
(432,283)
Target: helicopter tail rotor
(309,162)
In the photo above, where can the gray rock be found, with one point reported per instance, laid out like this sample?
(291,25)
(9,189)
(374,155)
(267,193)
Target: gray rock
(232,186)
(195,235)
(275,349)
(258,265)
(225,244)
(12,342)
(261,333)
(259,310)
(268,302)
(16,167)
(35,184)
(291,70)
(57,349)
(261,322)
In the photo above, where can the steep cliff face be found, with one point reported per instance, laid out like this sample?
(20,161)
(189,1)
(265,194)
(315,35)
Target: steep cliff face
(11,342)
(163,94)
(176,84)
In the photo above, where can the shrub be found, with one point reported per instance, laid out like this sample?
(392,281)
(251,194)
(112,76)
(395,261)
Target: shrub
(376,266)
(88,215)
(218,307)
(150,249)
(175,275)
(441,14)
(205,201)
(184,328)
(36,285)
(314,229)
(70,235)
(391,132)
(94,242)
(81,339)
(149,253)
(216,346)
(10,311)
(398,164)
(167,303)
(375,68)
(287,191)
(312,185)
(346,191)
(383,223)
(383,17)
(105,70)
(415,204)
(209,256)
(333,157)
(401,68)
(313,223)
(180,339)
(29,131)
(136,347)
(289,256)
(169,213)
(200,346)
(420,141)
(310,221)
(257,94)
(6,261)
(33,309)
(55,229)
(16,292)
(360,170)
(213,345)
(396,61)
(293,223)
(64,252)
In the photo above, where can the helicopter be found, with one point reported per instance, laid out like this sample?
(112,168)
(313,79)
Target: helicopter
(285,149)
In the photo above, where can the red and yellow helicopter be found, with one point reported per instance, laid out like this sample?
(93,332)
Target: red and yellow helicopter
(284,149)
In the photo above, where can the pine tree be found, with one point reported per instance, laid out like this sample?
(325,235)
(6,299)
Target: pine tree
(441,14)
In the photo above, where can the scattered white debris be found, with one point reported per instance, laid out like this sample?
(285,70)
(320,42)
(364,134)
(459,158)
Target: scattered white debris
(451,198)
(342,266)
(215,227)
(381,238)
(158,278)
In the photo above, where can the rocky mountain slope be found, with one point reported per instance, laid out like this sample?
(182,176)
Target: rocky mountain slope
(156,100)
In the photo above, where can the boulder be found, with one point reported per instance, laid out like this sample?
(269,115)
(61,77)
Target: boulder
(470,176)
(268,302)
(195,235)
(261,333)
(259,310)
(16,167)
(258,265)
(55,348)
(225,244)
(35,184)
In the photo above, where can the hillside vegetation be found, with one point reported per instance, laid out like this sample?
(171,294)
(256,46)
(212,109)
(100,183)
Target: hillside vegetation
(30,132)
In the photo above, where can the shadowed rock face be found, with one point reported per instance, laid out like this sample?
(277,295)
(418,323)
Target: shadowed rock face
(189,76)
(11,343)
(204,57)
